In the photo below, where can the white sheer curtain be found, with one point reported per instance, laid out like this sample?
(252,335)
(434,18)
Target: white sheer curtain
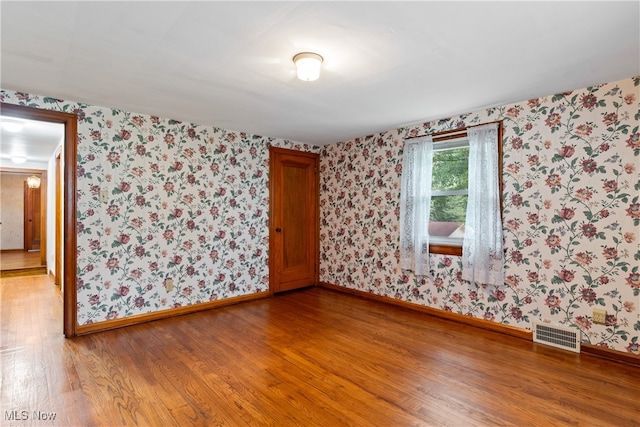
(415,196)
(482,256)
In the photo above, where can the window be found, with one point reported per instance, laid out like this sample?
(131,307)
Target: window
(460,206)
(449,192)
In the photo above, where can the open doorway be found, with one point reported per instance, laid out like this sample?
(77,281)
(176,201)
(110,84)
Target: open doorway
(65,186)
(23,221)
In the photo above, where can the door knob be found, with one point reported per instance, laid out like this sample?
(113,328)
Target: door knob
(278,229)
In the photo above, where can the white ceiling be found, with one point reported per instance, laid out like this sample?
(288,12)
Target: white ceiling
(387,64)
(36,142)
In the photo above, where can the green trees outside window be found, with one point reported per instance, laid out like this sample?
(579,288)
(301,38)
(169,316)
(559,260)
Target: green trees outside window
(450,181)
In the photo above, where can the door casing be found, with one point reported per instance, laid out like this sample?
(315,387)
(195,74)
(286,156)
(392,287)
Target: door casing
(59,251)
(70,122)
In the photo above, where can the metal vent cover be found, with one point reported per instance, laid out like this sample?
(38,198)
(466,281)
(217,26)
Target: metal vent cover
(557,336)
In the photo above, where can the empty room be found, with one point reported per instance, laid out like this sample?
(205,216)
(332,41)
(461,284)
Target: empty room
(320,213)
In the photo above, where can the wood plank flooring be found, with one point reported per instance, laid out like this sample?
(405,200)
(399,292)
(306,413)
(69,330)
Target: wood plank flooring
(307,358)
(11,260)
(20,263)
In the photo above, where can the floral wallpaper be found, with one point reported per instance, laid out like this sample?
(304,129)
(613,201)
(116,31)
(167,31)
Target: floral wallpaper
(12,211)
(571,216)
(186,217)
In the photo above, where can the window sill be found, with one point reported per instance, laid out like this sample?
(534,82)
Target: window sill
(442,249)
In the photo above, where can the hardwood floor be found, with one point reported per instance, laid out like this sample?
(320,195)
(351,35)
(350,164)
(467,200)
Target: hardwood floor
(20,263)
(11,260)
(310,358)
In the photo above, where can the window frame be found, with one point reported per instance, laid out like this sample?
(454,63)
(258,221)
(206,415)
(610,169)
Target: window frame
(438,137)
(443,145)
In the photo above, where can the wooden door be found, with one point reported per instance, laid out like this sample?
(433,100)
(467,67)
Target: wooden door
(32,218)
(293,228)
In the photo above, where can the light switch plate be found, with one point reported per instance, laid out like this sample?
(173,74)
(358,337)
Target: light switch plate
(599,316)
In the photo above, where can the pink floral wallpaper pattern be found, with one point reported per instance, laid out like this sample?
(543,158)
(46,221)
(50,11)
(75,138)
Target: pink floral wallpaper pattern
(12,211)
(571,216)
(186,219)
(187,214)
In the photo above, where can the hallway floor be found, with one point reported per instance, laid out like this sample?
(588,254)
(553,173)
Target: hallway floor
(19,263)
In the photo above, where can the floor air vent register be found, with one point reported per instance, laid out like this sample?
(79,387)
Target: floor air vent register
(557,336)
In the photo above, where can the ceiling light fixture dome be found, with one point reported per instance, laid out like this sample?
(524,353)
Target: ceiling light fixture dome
(308,65)
(11,125)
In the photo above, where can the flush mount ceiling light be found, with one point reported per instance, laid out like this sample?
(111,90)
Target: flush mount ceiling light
(33,182)
(11,125)
(308,66)
(18,160)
